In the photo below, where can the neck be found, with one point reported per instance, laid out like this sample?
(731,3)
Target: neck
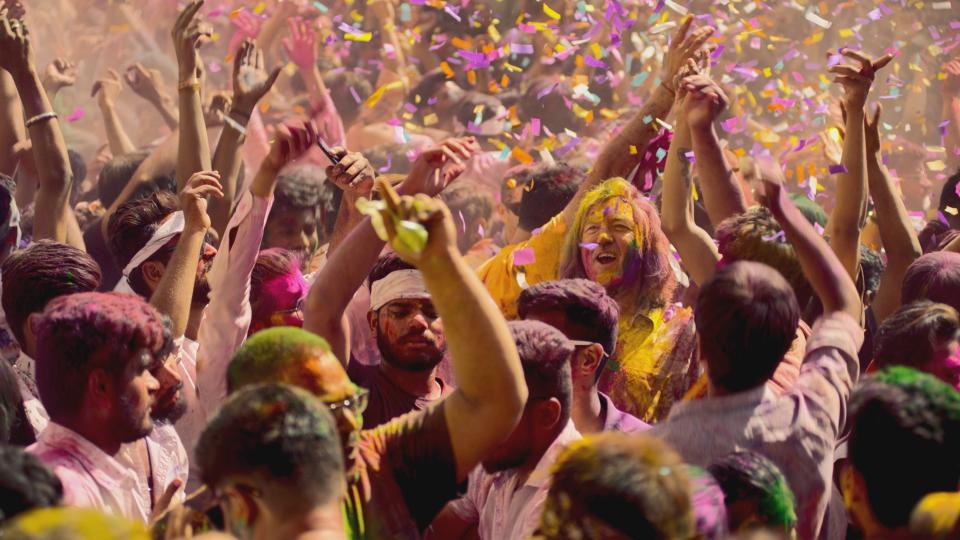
(520,235)
(416,383)
(193,324)
(92,429)
(586,411)
(321,523)
(537,454)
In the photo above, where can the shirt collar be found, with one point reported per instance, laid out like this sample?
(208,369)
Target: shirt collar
(541,473)
(105,470)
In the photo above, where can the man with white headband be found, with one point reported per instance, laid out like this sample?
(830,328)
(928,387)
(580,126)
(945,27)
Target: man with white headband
(402,318)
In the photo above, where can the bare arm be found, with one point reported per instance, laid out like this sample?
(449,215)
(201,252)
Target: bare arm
(822,268)
(106,91)
(174,292)
(193,154)
(11,123)
(149,84)
(899,239)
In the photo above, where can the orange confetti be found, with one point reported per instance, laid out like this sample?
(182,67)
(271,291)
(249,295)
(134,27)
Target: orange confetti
(521,155)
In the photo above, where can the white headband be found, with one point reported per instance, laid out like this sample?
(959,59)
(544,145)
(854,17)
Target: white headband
(167,230)
(398,285)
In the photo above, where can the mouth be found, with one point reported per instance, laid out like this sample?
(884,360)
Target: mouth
(605,258)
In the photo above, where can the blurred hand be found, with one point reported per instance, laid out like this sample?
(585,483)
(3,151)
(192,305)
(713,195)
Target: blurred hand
(427,212)
(684,45)
(766,179)
(16,53)
(251,81)
(301,46)
(436,167)
(703,100)
(217,108)
(951,85)
(872,131)
(146,83)
(193,199)
(290,143)
(107,89)
(353,173)
(59,74)
(856,82)
(189,33)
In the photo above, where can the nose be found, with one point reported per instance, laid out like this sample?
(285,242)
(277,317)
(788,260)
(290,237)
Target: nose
(419,322)
(347,422)
(153,385)
(604,238)
(171,373)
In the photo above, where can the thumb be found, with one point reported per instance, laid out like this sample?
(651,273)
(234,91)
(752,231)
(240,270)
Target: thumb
(163,503)
(272,79)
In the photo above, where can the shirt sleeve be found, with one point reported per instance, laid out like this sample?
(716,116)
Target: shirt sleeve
(539,261)
(418,448)
(830,370)
(227,317)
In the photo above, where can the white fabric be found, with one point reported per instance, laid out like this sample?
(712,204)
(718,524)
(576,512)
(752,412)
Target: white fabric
(167,230)
(398,285)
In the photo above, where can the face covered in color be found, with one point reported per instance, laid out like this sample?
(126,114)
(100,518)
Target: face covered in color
(409,334)
(609,240)
(281,302)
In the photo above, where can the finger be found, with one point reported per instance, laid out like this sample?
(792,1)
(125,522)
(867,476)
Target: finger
(881,63)
(876,116)
(355,169)
(114,75)
(259,58)
(858,56)
(843,112)
(164,501)
(698,40)
(846,71)
(311,132)
(271,80)
(451,156)
(294,28)
(208,191)
(390,196)
(681,32)
(458,148)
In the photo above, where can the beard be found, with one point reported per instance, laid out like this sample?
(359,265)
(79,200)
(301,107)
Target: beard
(391,354)
(133,424)
(173,412)
(201,287)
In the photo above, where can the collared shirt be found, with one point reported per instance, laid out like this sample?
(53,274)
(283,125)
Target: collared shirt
(616,420)
(797,430)
(90,477)
(504,511)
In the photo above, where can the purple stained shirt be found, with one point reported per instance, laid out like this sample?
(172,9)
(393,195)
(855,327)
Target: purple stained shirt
(616,420)
(388,401)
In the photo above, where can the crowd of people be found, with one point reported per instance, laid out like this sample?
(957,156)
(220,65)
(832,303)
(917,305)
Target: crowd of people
(508,270)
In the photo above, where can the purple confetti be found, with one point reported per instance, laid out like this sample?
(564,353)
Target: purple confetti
(837,169)
(590,246)
(523,257)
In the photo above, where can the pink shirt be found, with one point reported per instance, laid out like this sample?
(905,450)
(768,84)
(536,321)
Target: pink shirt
(504,511)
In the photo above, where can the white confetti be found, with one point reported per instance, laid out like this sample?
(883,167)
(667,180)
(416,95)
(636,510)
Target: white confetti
(817,20)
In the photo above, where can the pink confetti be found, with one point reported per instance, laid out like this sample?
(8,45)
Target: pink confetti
(77,115)
(523,257)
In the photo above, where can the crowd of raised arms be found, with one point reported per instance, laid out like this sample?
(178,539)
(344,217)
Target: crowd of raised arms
(480,269)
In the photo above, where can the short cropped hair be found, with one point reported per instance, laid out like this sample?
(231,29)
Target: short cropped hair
(934,277)
(749,476)
(86,331)
(387,264)
(545,357)
(25,483)
(115,175)
(281,435)
(266,356)
(585,304)
(904,440)
(756,236)
(911,334)
(546,192)
(34,276)
(299,187)
(634,484)
(131,227)
(747,317)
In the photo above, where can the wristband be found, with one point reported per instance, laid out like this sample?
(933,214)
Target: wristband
(227,119)
(189,84)
(41,117)
(240,117)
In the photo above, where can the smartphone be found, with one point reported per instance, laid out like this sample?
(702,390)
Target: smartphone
(327,151)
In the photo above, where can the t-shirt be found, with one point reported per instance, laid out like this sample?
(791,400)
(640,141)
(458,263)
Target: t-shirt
(387,401)
(406,473)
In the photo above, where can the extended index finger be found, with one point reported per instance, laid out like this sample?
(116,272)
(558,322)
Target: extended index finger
(390,197)
(681,32)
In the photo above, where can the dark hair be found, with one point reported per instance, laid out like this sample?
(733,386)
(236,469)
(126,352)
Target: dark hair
(466,110)
(331,198)
(14,426)
(747,318)
(545,356)
(25,483)
(872,266)
(271,264)
(7,190)
(132,226)
(115,175)
(467,205)
(934,276)
(546,98)
(79,169)
(948,195)
(86,331)
(756,236)
(749,476)
(908,336)
(342,86)
(904,440)
(547,191)
(634,484)
(43,271)
(585,304)
(387,264)
(279,434)
(299,188)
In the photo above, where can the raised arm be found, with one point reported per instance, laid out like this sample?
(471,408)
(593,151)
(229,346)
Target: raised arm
(719,185)
(193,154)
(850,210)
(899,239)
(11,123)
(616,159)
(485,407)
(698,253)
(822,268)
(59,74)
(174,292)
(106,91)
(149,84)
(251,82)
(55,177)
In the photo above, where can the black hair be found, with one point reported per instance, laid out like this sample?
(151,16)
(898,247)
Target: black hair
(25,483)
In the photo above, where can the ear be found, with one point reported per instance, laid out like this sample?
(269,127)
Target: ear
(29,333)
(242,512)
(100,389)
(547,414)
(372,319)
(152,272)
(588,360)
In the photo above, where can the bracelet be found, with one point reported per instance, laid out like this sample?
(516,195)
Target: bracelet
(189,84)
(227,119)
(240,117)
(41,117)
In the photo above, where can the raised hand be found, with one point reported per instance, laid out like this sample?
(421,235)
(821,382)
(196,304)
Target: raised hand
(436,167)
(353,173)
(857,81)
(703,100)
(872,132)
(146,83)
(16,52)
(766,179)
(301,45)
(951,84)
(59,74)
(291,142)
(12,9)
(193,199)
(107,89)
(189,33)
(248,26)
(684,45)
(251,81)
(403,214)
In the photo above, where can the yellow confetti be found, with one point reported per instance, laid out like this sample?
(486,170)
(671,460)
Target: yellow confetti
(494,33)
(430,119)
(633,150)
(358,37)
(446,69)
(550,12)
(259,8)
(936,166)
(378,93)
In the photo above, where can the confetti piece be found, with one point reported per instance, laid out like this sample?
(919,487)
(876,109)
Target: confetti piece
(940,5)
(550,12)
(817,20)
(259,8)
(951,210)
(589,245)
(364,37)
(676,7)
(837,169)
(524,256)
(521,155)
(77,115)
(936,166)
(780,238)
